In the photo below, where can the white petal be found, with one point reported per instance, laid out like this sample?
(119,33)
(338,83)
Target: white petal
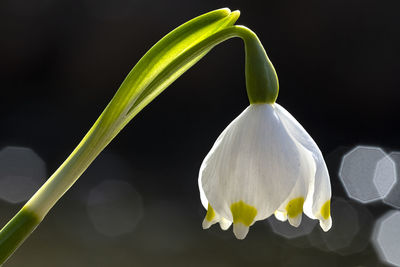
(255,160)
(203,197)
(240,230)
(212,217)
(207,224)
(224,224)
(319,191)
(281,215)
(295,221)
(326,224)
(292,207)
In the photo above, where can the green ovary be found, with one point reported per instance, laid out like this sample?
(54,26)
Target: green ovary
(295,207)
(243,213)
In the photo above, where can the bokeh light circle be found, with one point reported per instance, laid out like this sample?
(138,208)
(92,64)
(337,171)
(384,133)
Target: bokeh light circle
(114,207)
(22,172)
(386,237)
(367,173)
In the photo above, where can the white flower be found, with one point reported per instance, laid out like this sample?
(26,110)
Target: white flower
(264,163)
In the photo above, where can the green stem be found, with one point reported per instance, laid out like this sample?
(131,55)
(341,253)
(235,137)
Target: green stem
(262,87)
(16,231)
(261,79)
(29,217)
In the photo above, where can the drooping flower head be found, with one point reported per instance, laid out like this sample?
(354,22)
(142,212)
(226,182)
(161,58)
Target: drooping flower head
(264,163)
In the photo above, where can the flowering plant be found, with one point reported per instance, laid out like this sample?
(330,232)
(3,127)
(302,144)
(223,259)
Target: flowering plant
(264,162)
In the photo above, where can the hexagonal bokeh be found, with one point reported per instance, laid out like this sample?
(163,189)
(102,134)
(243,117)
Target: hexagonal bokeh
(345,227)
(386,237)
(114,207)
(393,197)
(385,175)
(285,230)
(367,173)
(22,172)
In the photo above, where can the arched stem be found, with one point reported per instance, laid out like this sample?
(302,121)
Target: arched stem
(262,87)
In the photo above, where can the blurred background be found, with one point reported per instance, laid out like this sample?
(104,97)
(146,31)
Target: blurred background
(138,204)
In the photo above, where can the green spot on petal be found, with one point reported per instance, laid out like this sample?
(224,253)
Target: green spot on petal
(295,207)
(326,210)
(210,213)
(243,213)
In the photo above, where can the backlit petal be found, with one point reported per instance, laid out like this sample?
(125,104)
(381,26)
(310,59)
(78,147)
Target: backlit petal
(255,160)
(292,207)
(319,191)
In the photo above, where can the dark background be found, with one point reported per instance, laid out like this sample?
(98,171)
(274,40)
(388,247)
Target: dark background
(62,61)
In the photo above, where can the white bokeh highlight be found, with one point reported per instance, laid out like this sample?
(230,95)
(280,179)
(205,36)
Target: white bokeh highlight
(364,175)
(385,176)
(22,172)
(393,197)
(287,231)
(114,207)
(345,228)
(386,238)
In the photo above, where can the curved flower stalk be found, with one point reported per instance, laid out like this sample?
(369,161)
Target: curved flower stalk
(156,70)
(264,163)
